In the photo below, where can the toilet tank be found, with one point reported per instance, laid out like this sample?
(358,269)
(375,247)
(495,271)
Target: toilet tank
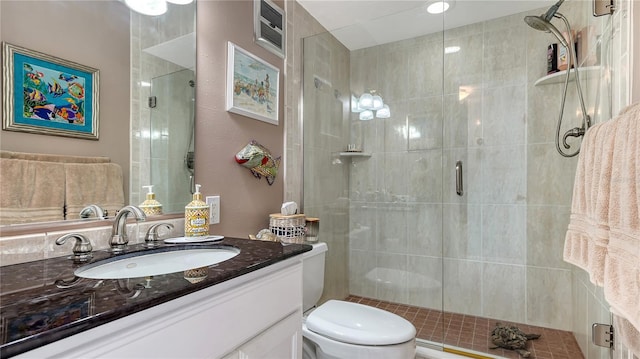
(313,275)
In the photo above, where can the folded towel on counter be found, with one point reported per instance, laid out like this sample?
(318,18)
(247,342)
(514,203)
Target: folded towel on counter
(99,183)
(622,265)
(31,191)
(588,231)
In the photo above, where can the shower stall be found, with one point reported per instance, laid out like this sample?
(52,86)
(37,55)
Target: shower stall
(172,111)
(456,205)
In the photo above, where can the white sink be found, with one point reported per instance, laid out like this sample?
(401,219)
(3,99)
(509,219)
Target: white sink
(155,262)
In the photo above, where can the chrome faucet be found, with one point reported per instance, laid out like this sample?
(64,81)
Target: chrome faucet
(119,238)
(92,208)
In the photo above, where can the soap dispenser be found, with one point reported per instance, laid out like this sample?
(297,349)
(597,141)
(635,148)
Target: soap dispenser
(196,216)
(151,206)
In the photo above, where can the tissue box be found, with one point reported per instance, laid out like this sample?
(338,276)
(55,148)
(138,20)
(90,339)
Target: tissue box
(288,228)
(289,208)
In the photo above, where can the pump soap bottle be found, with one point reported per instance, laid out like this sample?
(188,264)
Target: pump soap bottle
(196,216)
(151,206)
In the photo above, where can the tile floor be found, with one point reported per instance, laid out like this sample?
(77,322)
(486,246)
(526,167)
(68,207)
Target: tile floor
(470,332)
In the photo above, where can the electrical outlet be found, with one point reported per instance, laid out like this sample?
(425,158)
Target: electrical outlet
(214,209)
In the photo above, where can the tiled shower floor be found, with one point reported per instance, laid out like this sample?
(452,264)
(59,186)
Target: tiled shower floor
(474,333)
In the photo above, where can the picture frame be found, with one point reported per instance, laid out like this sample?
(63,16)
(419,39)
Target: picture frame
(47,95)
(253,86)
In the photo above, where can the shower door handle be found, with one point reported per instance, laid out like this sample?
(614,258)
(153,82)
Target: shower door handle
(459,184)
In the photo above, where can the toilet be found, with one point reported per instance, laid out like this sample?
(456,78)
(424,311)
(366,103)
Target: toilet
(345,330)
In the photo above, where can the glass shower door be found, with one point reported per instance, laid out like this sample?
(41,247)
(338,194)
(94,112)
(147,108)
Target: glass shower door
(503,238)
(172,119)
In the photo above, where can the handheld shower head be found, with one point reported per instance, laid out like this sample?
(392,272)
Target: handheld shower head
(541,24)
(552,11)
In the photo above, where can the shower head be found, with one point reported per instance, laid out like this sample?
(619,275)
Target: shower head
(540,23)
(543,23)
(552,11)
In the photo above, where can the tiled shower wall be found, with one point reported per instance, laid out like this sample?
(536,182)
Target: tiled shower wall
(325,133)
(326,130)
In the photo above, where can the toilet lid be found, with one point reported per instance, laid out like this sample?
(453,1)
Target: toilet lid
(359,324)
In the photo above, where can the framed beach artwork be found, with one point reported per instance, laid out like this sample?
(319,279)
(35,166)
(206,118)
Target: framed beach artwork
(47,95)
(252,86)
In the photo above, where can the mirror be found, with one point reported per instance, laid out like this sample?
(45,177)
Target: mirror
(155,81)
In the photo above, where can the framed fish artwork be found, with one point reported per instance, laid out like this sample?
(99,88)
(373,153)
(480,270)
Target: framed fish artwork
(253,86)
(47,95)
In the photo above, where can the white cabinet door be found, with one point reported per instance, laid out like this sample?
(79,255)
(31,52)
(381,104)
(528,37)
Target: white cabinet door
(281,341)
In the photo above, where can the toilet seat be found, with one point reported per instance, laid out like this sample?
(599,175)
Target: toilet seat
(327,348)
(359,324)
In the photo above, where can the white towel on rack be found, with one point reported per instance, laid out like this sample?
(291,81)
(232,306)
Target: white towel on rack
(588,232)
(626,333)
(603,236)
(622,264)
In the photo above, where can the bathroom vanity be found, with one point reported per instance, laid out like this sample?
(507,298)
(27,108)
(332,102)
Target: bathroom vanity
(249,306)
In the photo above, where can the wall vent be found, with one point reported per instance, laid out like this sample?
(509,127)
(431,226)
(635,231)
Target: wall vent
(269,26)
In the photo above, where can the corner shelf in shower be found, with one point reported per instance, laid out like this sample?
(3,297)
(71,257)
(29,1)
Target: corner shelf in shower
(355,154)
(558,77)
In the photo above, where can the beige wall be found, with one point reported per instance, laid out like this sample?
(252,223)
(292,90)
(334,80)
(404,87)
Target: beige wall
(245,202)
(83,38)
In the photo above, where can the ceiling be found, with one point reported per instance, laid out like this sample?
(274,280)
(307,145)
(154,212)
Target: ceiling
(360,24)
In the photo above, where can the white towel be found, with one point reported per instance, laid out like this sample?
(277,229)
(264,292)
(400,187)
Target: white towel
(588,232)
(603,236)
(622,264)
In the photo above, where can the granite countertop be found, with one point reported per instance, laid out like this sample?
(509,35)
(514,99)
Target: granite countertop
(42,301)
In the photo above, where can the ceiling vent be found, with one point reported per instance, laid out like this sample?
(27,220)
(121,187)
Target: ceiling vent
(268,25)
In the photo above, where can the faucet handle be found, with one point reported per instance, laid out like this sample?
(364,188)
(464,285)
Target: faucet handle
(95,209)
(81,249)
(151,238)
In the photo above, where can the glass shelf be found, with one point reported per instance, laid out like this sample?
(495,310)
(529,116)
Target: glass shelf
(355,154)
(558,77)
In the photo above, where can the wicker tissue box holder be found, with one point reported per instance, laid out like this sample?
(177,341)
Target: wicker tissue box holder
(288,228)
